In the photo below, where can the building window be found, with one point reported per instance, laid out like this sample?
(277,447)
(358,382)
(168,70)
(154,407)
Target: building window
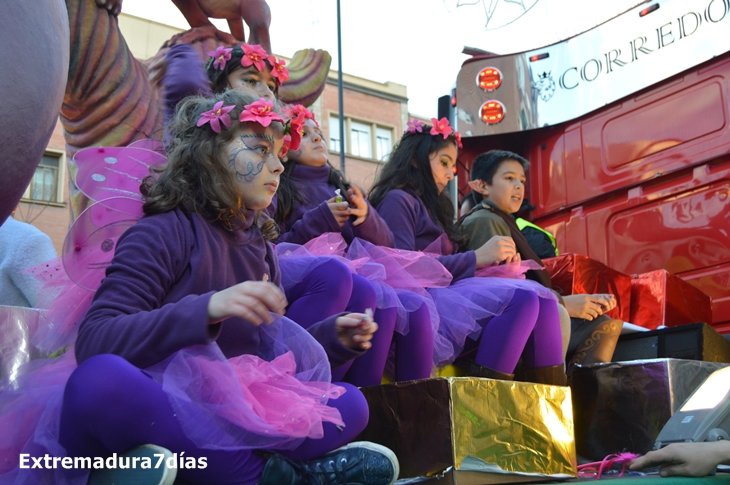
(335,141)
(383,143)
(360,138)
(44,186)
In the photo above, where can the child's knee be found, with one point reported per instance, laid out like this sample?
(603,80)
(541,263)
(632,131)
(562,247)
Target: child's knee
(97,382)
(354,408)
(364,291)
(333,277)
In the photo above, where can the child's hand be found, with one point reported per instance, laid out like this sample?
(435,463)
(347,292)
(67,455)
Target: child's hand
(587,307)
(496,250)
(253,301)
(340,210)
(686,459)
(607,300)
(358,205)
(355,330)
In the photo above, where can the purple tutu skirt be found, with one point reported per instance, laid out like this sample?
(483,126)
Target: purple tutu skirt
(467,305)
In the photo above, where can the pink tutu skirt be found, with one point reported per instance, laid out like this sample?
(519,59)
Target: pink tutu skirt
(272,400)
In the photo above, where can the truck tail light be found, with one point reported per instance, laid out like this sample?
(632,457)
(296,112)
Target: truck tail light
(648,10)
(489,78)
(492,112)
(453,97)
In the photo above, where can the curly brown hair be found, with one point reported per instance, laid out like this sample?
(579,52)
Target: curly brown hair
(195,176)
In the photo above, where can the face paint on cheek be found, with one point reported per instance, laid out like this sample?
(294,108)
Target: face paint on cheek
(244,160)
(296,153)
(245,168)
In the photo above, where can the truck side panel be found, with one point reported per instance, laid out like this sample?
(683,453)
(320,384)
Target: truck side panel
(680,123)
(679,222)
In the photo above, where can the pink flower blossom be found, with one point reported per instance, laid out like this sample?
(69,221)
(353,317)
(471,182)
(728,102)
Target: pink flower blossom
(292,111)
(253,55)
(441,127)
(216,116)
(415,126)
(457,137)
(278,70)
(220,56)
(260,112)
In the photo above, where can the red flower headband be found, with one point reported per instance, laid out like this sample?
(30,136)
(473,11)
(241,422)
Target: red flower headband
(440,127)
(253,55)
(297,115)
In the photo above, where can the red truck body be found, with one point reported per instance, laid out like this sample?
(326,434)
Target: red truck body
(640,184)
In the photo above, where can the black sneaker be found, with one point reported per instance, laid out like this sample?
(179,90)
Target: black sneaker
(126,470)
(358,463)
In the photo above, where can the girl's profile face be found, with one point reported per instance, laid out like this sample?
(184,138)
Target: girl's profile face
(252,156)
(443,162)
(312,151)
(252,81)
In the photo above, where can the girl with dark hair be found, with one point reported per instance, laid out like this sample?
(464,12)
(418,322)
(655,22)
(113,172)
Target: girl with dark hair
(503,318)
(316,288)
(192,297)
(314,199)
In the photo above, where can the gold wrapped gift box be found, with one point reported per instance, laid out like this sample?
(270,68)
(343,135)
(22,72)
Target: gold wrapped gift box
(467,430)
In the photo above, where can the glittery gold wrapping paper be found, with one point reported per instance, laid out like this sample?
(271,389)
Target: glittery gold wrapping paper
(519,426)
(433,424)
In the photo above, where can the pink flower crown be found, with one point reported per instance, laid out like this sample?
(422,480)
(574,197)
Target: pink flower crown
(440,127)
(251,55)
(261,112)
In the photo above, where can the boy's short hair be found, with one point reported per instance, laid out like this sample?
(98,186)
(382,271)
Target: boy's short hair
(486,165)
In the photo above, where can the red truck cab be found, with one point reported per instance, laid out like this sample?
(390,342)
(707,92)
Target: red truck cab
(627,130)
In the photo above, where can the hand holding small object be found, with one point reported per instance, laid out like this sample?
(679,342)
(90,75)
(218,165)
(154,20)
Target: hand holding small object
(340,210)
(253,301)
(355,330)
(584,306)
(358,205)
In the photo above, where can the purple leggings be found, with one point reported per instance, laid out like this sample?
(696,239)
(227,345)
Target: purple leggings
(529,327)
(331,288)
(111,406)
(413,351)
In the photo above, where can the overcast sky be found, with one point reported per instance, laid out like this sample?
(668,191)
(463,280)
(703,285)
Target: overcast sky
(417,43)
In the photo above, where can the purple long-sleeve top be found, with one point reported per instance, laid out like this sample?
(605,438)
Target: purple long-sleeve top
(185,76)
(414,229)
(312,217)
(154,299)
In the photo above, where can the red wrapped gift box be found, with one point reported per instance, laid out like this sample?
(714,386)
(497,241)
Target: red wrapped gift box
(575,274)
(660,298)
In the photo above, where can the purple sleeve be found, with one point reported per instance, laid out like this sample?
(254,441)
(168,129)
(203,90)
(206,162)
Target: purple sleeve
(402,213)
(374,229)
(185,76)
(313,223)
(127,317)
(326,334)
(461,265)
